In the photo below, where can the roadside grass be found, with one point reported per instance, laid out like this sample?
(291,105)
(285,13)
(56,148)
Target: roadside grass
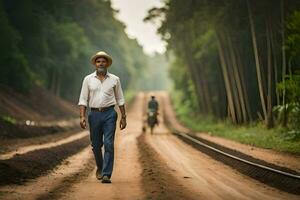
(7,119)
(255,134)
(129,96)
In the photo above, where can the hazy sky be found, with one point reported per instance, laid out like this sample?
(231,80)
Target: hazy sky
(132,13)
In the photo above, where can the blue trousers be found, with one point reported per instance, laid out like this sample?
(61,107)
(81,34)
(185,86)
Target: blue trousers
(102,131)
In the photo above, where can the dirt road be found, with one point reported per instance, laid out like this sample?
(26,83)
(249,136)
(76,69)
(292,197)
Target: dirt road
(158,166)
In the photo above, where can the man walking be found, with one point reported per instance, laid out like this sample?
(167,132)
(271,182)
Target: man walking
(101,91)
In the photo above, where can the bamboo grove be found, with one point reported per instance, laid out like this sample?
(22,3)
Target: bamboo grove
(242,56)
(50,42)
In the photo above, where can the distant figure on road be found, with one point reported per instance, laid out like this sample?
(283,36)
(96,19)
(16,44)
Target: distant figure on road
(101,91)
(152,113)
(153,104)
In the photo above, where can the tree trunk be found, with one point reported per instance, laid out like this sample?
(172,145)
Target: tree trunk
(57,85)
(237,79)
(275,66)
(284,121)
(203,79)
(269,119)
(200,92)
(232,81)
(198,86)
(257,62)
(244,87)
(53,81)
(229,95)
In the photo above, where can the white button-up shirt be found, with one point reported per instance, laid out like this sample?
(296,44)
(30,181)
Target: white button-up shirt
(97,94)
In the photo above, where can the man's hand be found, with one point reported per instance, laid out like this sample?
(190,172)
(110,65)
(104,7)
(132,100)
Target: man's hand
(123,123)
(83,122)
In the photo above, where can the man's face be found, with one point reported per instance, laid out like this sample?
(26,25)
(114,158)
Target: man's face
(101,62)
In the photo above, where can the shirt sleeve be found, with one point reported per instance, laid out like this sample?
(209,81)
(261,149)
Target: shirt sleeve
(119,93)
(84,94)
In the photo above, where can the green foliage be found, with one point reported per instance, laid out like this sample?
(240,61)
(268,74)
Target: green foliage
(199,33)
(255,134)
(50,42)
(293,135)
(8,119)
(292,88)
(14,67)
(293,40)
(185,101)
(292,109)
(156,75)
(212,40)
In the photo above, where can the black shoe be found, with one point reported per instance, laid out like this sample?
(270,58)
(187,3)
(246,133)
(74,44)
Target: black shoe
(99,175)
(106,179)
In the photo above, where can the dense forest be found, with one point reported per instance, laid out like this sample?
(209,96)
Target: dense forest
(50,42)
(236,60)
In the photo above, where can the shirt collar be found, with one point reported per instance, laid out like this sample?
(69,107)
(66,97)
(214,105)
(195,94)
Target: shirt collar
(107,74)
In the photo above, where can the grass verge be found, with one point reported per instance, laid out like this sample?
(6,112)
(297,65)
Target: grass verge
(255,134)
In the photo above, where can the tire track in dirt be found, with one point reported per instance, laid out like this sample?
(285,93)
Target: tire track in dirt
(36,163)
(65,185)
(157,179)
(69,171)
(126,183)
(25,149)
(209,179)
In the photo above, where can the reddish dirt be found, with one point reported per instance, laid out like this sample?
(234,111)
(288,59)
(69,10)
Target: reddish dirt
(8,144)
(38,104)
(126,179)
(22,150)
(278,158)
(282,159)
(37,162)
(203,176)
(50,118)
(158,179)
(158,166)
(69,171)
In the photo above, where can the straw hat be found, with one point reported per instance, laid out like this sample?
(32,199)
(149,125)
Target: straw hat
(103,55)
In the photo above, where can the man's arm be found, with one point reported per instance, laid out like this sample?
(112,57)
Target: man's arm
(121,102)
(122,110)
(83,101)
(82,110)
(123,122)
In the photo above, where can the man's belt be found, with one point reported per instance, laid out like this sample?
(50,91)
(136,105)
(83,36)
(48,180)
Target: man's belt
(102,109)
